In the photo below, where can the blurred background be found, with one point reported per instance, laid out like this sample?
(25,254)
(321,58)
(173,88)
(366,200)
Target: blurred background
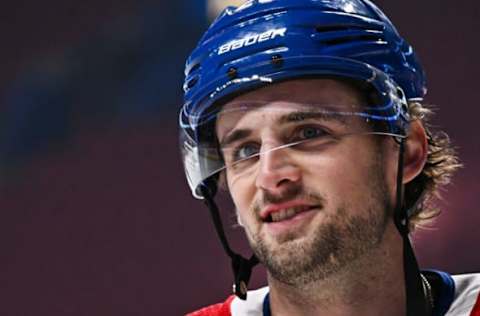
(96,217)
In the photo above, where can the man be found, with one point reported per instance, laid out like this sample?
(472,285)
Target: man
(308,113)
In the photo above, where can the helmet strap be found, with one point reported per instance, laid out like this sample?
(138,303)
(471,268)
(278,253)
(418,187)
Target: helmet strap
(242,267)
(415,297)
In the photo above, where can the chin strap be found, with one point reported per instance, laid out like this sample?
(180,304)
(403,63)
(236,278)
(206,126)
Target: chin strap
(242,268)
(416,301)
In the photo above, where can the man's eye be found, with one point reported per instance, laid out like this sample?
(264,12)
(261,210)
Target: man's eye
(245,151)
(309,132)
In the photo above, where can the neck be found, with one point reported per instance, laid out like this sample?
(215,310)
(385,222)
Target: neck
(370,285)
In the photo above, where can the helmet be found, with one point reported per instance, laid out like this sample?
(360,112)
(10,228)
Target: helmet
(269,41)
(265,41)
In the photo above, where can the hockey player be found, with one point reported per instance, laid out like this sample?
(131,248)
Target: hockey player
(309,114)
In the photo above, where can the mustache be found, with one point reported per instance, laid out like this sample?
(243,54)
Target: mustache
(291,193)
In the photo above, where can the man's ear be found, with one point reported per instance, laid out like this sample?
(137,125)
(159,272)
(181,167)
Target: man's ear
(416,151)
(239,219)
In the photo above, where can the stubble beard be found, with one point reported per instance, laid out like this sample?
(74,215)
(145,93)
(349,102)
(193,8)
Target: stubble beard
(335,245)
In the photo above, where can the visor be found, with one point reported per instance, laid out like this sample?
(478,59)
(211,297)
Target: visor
(237,137)
(206,127)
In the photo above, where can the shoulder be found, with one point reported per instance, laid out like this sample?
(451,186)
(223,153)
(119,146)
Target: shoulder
(220,309)
(234,306)
(252,306)
(467,295)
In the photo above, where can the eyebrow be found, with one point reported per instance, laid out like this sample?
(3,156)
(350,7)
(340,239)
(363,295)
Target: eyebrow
(303,115)
(234,136)
(287,118)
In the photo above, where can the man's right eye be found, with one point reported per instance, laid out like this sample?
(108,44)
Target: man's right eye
(245,151)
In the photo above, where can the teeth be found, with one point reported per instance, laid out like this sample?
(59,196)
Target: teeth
(286,213)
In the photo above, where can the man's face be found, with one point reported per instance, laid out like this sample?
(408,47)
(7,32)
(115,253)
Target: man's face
(313,208)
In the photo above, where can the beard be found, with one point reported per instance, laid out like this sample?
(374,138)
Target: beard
(342,238)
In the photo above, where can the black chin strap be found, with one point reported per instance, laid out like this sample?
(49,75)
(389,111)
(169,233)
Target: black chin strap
(416,301)
(242,268)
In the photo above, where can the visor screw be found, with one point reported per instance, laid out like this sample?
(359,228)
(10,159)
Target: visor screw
(232,72)
(277,60)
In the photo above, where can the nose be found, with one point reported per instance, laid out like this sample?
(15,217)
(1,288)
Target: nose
(276,171)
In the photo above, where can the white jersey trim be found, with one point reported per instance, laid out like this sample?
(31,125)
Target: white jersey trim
(253,306)
(467,289)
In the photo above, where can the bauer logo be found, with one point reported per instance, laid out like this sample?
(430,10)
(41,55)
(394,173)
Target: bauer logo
(251,40)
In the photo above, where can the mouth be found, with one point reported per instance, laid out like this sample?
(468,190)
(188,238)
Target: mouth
(275,215)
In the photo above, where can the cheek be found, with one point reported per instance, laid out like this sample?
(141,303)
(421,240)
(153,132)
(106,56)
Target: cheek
(242,193)
(330,170)
(344,176)
(389,163)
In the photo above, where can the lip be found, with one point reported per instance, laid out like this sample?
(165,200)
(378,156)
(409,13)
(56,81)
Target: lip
(272,208)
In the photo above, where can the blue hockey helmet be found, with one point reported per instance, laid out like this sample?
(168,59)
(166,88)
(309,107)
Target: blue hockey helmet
(268,41)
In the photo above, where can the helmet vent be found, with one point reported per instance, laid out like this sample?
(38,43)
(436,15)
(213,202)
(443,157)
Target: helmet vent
(343,34)
(232,72)
(343,27)
(349,39)
(190,83)
(193,69)
(277,60)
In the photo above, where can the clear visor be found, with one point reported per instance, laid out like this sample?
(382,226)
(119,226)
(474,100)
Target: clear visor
(241,136)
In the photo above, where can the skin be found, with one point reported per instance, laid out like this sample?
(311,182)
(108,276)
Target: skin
(343,256)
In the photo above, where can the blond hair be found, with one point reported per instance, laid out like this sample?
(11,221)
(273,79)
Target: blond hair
(442,161)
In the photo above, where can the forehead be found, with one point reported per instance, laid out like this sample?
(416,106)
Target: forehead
(295,95)
(303,91)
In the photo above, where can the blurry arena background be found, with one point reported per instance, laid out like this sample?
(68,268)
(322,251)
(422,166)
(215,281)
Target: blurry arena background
(96,217)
